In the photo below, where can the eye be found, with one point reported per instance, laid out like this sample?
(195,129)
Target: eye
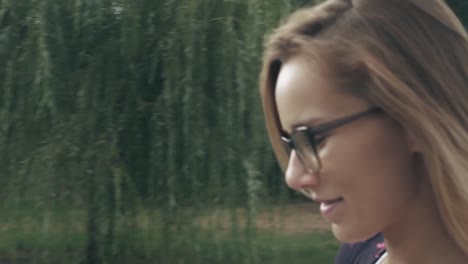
(319,139)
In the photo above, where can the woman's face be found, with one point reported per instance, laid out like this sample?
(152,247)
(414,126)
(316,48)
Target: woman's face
(367,182)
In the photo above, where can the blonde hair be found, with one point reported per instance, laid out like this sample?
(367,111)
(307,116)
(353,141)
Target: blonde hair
(408,57)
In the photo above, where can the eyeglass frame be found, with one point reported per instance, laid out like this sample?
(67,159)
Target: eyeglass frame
(311,132)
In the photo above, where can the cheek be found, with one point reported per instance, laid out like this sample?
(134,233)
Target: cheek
(373,158)
(373,171)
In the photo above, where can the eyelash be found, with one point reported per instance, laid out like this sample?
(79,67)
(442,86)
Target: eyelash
(320,139)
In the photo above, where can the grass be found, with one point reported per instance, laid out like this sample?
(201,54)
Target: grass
(27,239)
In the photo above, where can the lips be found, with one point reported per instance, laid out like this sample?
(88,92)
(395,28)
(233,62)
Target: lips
(328,202)
(328,207)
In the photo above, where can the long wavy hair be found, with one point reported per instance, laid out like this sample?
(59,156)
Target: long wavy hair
(408,57)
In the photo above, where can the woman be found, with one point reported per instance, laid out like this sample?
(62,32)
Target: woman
(366,106)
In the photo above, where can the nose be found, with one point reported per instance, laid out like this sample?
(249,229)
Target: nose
(297,176)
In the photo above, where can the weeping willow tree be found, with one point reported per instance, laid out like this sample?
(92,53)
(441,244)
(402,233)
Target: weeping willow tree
(115,113)
(121,121)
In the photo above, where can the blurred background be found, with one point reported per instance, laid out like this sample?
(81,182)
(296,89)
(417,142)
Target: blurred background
(131,131)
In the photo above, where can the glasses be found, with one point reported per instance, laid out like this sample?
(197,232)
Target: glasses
(305,139)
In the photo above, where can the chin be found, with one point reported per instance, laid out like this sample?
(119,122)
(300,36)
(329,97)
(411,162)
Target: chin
(350,234)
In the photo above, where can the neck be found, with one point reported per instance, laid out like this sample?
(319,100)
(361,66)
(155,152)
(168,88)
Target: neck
(421,236)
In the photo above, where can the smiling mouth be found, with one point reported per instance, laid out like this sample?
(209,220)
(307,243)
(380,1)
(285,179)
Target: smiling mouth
(329,202)
(327,207)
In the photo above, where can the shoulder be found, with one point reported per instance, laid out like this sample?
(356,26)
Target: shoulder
(365,252)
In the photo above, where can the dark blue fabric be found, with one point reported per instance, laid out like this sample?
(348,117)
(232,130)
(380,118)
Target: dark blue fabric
(365,252)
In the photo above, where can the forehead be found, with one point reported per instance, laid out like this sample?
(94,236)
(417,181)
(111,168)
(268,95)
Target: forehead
(306,95)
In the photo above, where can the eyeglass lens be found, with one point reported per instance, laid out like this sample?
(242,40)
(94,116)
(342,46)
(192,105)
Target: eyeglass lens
(306,151)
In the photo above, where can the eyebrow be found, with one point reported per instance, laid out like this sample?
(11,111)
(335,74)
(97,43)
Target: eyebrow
(315,123)
(330,124)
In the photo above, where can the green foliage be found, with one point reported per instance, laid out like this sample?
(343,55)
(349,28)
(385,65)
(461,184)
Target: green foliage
(112,106)
(32,236)
(460,8)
